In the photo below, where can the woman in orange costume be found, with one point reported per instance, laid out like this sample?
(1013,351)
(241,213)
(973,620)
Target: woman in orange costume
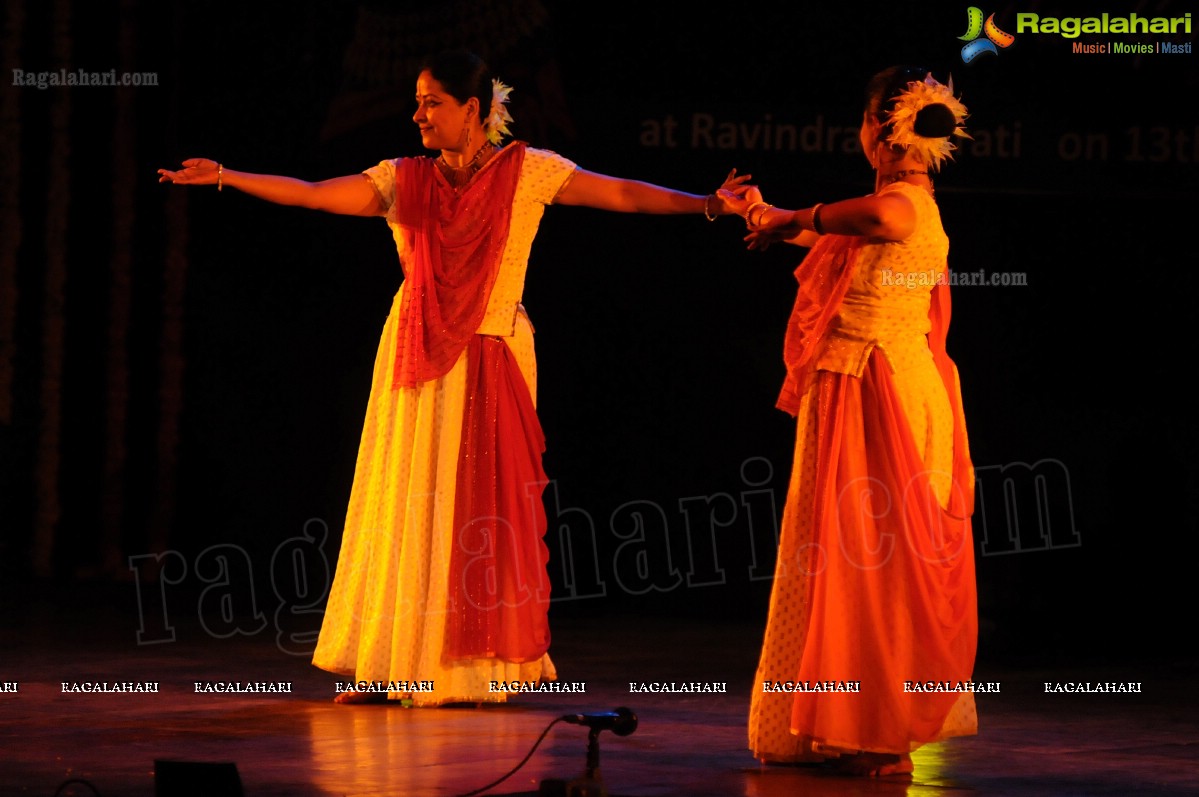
(441,587)
(874,586)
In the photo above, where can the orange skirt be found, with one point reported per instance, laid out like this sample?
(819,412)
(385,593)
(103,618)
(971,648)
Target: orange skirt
(874,585)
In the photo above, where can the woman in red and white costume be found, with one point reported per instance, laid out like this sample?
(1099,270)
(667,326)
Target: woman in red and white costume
(441,579)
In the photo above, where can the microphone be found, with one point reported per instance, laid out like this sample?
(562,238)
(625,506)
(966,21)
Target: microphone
(621,722)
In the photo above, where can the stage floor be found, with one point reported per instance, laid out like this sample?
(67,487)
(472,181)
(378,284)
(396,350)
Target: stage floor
(301,743)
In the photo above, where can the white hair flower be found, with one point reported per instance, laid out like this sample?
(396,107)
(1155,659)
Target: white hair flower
(931,151)
(496,123)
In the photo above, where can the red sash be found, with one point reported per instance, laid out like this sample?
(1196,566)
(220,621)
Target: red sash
(498,593)
(499,590)
(457,243)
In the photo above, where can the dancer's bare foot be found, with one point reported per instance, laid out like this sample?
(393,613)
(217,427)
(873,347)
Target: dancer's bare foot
(874,765)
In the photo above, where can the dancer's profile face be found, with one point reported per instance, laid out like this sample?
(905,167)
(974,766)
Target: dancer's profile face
(440,118)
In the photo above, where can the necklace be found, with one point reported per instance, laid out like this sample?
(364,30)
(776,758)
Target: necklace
(460,175)
(902,173)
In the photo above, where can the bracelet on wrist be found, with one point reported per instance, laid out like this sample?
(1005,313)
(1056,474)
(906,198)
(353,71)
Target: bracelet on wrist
(220,184)
(708,213)
(817,226)
(749,213)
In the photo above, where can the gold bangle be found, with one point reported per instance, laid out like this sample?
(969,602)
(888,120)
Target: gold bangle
(707,213)
(220,177)
(817,227)
(749,212)
(762,213)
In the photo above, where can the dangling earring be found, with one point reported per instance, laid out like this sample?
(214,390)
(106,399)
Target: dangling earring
(467,127)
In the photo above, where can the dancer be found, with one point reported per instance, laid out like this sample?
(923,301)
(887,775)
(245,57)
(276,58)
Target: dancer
(441,587)
(873,611)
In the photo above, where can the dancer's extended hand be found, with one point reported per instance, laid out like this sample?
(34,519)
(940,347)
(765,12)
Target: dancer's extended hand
(195,171)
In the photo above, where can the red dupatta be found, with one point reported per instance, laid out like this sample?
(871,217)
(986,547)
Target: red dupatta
(498,590)
(457,242)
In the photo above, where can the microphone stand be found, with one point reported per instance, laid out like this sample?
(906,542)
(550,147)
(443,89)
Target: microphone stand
(590,784)
(621,722)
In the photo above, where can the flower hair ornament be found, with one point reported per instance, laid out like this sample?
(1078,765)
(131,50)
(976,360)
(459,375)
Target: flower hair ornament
(496,123)
(924,118)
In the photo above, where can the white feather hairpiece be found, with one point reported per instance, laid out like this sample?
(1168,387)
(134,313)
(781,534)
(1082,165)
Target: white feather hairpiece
(496,123)
(902,119)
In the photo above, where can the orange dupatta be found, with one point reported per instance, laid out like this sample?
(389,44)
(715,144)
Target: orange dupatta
(893,596)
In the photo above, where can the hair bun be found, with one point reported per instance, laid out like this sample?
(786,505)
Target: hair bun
(934,121)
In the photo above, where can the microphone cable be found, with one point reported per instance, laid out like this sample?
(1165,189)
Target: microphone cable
(514,769)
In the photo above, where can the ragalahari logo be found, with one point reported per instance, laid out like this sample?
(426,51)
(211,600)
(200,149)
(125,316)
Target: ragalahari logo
(975,27)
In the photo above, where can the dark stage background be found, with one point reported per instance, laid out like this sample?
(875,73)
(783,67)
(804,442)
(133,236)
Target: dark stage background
(184,371)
